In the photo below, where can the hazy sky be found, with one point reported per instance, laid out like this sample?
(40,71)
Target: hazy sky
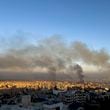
(84,20)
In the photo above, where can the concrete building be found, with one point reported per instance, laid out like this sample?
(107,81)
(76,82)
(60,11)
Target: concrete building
(53,106)
(26,100)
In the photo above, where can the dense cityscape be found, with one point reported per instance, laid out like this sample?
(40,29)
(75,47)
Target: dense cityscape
(57,95)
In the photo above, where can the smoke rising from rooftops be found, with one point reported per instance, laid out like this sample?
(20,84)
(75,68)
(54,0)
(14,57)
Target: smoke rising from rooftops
(54,55)
(78,70)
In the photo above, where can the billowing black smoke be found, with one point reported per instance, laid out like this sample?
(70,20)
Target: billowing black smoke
(79,71)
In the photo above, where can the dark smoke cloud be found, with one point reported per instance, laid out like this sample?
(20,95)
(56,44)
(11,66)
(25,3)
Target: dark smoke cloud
(54,55)
(78,70)
(99,58)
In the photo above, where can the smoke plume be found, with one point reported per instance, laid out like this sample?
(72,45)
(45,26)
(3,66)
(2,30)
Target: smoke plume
(78,70)
(53,55)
